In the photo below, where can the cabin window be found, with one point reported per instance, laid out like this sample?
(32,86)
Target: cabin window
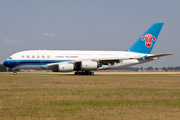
(48,56)
(38,56)
(22,56)
(28,56)
(33,56)
(43,56)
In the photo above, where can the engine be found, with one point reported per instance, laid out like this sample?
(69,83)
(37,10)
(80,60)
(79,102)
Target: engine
(89,65)
(65,67)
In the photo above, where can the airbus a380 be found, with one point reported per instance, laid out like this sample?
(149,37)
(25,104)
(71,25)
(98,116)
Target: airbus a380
(84,62)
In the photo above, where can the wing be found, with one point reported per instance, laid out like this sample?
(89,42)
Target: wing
(78,63)
(105,61)
(112,60)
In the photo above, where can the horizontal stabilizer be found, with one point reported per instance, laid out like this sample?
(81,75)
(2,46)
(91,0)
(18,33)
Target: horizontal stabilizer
(159,55)
(150,56)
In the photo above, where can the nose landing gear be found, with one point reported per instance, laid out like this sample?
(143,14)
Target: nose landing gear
(14,73)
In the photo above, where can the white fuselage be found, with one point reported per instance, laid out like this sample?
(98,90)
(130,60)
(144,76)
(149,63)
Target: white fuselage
(83,62)
(39,59)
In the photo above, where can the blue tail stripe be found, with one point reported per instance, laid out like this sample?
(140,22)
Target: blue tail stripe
(146,42)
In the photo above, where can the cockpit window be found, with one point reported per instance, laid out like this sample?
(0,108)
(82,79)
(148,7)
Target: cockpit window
(10,57)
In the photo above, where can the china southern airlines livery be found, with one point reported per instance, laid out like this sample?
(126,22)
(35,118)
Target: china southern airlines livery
(83,62)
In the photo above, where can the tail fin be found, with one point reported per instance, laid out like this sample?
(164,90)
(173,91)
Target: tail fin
(146,42)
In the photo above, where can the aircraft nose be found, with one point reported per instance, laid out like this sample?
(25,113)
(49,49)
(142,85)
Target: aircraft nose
(5,63)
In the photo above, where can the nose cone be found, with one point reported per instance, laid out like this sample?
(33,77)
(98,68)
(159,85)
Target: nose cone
(6,63)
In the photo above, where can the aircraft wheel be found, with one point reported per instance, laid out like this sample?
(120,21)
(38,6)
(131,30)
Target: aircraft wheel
(92,73)
(77,73)
(14,73)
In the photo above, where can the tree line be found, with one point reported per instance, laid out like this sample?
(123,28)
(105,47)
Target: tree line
(4,68)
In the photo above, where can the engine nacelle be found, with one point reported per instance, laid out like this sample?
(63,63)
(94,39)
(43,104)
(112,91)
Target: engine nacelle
(89,65)
(65,67)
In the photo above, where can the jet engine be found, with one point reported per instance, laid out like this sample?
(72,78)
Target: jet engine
(89,65)
(65,67)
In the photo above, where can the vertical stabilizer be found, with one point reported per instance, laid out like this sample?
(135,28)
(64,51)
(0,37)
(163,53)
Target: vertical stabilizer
(146,42)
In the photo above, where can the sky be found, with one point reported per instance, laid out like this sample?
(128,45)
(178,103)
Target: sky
(112,25)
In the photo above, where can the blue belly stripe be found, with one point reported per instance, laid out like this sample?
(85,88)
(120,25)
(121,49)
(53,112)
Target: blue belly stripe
(17,63)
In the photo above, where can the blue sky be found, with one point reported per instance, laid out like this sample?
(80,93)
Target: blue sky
(88,25)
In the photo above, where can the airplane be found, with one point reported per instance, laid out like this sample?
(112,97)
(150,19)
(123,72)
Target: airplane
(84,62)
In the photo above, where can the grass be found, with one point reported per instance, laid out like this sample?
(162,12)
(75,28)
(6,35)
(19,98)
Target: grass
(102,96)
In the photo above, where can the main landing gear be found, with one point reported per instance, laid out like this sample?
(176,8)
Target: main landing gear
(84,73)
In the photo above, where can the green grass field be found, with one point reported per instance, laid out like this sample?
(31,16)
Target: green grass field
(102,96)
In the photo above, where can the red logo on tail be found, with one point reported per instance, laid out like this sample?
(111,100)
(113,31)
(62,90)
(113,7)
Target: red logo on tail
(148,39)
